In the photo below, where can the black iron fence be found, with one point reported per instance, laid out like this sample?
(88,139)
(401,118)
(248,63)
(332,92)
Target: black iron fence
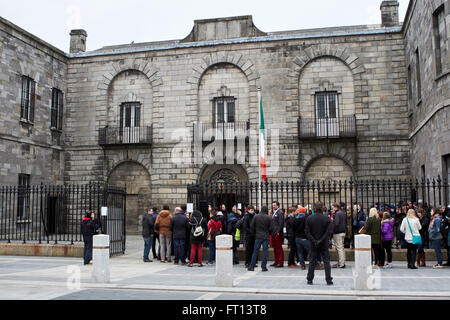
(116,135)
(314,128)
(367,193)
(53,213)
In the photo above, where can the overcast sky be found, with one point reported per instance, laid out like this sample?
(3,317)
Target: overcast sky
(112,22)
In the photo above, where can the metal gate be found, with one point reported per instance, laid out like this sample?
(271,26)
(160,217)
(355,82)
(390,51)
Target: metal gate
(53,213)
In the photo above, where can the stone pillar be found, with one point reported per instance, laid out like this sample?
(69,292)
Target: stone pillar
(78,40)
(224,260)
(100,258)
(363,262)
(389,13)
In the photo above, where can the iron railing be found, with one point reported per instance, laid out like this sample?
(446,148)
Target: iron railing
(115,136)
(221,131)
(313,128)
(53,213)
(366,193)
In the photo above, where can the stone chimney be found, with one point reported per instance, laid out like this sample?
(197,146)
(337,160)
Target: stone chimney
(78,41)
(389,13)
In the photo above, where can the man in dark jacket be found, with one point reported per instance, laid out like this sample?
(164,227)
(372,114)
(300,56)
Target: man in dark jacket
(147,233)
(155,236)
(178,225)
(250,237)
(89,227)
(290,219)
(233,219)
(261,227)
(318,232)
(339,230)
(277,235)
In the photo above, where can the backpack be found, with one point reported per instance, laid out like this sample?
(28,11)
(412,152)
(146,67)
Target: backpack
(197,230)
(216,231)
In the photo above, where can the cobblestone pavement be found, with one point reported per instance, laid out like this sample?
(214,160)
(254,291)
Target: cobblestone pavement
(43,278)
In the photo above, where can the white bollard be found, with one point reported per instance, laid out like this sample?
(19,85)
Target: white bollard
(362,273)
(100,258)
(224,260)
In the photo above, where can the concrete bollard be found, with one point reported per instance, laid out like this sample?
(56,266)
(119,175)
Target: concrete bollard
(100,258)
(224,260)
(363,262)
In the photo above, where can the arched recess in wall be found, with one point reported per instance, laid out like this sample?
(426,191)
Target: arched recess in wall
(329,53)
(130,89)
(326,168)
(136,178)
(211,65)
(140,68)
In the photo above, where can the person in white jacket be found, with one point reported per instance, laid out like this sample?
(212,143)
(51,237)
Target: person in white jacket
(415,228)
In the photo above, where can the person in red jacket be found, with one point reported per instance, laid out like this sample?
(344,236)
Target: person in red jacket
(214,229)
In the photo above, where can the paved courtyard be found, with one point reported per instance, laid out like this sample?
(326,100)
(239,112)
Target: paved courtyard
(45,278)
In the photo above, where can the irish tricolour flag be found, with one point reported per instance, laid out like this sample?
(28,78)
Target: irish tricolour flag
(262,140)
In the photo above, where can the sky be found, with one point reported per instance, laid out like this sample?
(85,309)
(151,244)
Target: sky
(114,22)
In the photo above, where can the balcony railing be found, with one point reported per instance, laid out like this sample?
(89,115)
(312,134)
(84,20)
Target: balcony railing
(116,136)
(311,128)
(221,131)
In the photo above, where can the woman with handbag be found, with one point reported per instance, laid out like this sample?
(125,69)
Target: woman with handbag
(373,228)
(411,228)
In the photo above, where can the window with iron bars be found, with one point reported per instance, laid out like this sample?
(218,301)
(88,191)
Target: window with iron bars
(439,39)
(23,197)
(57,109)
(28,99)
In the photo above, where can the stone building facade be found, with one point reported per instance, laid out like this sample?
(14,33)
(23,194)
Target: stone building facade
(428,65)
(336,105)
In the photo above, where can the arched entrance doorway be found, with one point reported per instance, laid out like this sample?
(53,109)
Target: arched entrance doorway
(137,180)
(223,185)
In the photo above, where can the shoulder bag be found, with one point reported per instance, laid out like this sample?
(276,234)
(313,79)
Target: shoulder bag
(415,239)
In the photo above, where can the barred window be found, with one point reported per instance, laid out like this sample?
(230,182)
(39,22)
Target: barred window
(28,99)
(418,77)
(57,109)
(23,196)
(439,37)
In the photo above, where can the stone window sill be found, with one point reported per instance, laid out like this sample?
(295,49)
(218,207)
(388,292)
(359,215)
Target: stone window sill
(26,122)
(54,129)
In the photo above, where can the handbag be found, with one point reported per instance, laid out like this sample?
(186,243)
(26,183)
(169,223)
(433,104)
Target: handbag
(415,239)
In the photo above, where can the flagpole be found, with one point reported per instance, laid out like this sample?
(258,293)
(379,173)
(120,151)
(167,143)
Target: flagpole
(259,144)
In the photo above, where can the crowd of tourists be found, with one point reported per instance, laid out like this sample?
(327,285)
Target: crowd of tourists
(309,233)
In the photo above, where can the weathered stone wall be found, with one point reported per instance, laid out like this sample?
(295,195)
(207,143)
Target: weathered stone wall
(25,148)
(429,116)
(369,70)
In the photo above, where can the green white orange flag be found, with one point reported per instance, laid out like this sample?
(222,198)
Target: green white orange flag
(262,140)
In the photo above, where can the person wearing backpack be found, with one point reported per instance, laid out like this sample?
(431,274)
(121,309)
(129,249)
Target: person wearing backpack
(435,236)
(198,231)
(232,230)
(250,237)
(214,230)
